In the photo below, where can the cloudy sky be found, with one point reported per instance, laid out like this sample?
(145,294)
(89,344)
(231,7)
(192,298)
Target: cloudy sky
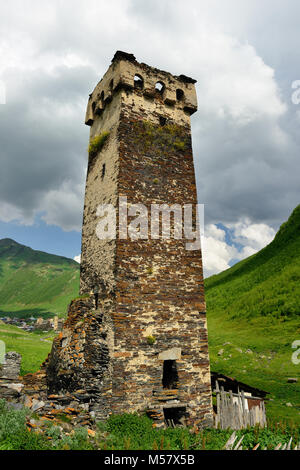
(245,56)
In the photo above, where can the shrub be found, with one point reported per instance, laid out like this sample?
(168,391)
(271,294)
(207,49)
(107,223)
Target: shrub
(11,421)
(129,424)
(77,441)
(14,434)
(130,432)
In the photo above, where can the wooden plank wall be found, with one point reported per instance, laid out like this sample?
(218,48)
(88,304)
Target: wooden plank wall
(235,414)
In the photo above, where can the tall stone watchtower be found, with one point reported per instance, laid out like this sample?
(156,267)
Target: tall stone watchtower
(149,306)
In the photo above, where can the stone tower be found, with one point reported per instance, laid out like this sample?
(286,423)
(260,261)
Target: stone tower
(142,335)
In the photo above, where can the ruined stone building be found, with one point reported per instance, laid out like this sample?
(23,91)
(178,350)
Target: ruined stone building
(136,340)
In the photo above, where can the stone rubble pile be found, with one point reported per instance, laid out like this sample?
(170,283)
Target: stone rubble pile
(33,391)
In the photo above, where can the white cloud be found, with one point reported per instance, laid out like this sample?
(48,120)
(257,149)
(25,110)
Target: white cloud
(77,258)
(218,255)
(235,81)
(215,251)
(255,236)
(12,213)
(246,144)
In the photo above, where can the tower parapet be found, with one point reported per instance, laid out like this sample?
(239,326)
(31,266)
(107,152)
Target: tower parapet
(174,97)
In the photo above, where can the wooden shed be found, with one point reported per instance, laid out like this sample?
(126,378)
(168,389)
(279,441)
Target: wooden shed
(238,405)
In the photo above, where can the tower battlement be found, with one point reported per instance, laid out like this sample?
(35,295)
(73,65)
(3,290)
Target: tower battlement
(168,93)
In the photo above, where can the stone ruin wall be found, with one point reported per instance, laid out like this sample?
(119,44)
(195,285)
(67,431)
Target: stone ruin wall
(10,383)
(79,364)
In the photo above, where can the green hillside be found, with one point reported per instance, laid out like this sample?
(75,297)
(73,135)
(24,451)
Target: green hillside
(253,314)
(34,347)
(35,283)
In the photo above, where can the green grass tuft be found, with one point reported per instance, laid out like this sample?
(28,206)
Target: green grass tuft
(151,340)
(97,143)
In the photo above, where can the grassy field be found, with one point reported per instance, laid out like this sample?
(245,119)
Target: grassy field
(267,364)
(255,305)
(129,432)
(253,312)
(34,347)
(35,283)
(267,367)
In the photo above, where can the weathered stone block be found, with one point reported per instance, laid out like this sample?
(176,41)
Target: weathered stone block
(170,355)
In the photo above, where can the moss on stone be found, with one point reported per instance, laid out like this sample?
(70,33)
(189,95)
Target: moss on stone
(97,143)
(157,139)
(151,340)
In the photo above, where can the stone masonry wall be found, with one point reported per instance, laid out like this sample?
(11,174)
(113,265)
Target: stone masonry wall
(98,256)
(151,297)
(160,285)
(10,383)
(79,363)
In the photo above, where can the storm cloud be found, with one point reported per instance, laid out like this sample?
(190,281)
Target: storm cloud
(245,134)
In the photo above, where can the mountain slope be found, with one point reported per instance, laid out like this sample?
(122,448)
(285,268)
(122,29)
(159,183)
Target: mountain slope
(266,283)
(253,312)
(34,282)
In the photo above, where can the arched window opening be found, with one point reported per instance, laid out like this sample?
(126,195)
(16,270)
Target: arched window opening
(160,87)
(170,375)
(179,95)
(138,82)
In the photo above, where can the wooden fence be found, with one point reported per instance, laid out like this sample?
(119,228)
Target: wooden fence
(233,410)
(234,444)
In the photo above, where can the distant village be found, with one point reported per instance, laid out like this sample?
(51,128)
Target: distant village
(35,324)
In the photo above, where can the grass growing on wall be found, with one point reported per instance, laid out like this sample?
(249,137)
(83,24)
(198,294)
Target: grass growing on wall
(97,143)
(160,140)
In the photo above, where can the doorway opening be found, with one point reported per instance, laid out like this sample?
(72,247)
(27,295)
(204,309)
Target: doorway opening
(175,416)
(170,375)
